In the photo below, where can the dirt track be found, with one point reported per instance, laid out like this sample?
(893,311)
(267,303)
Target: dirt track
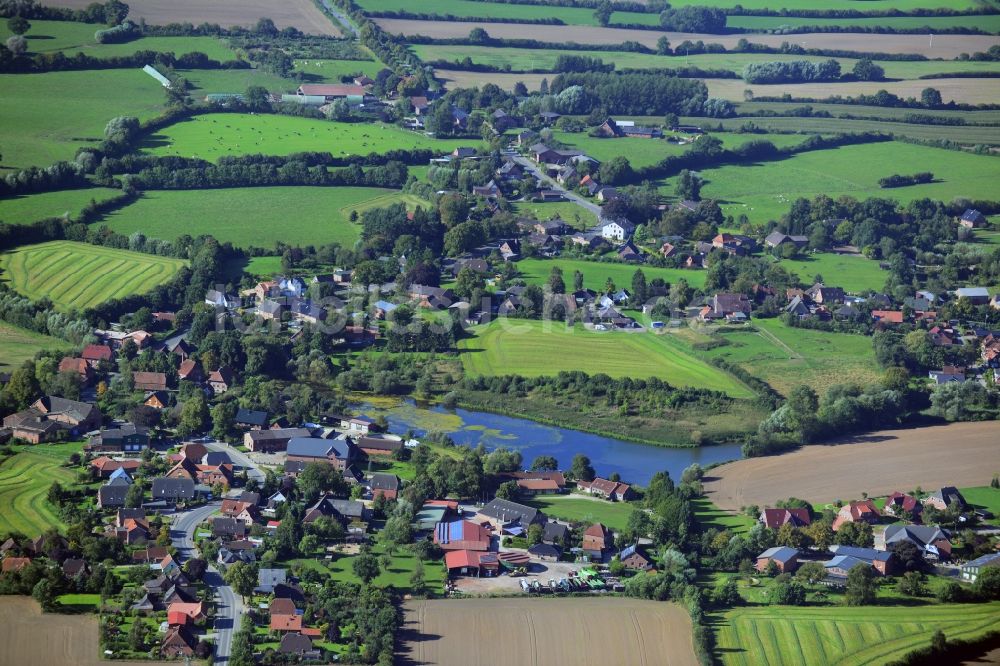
(969,91)
(960,454)
(945,46)
(301,14)
(554,632)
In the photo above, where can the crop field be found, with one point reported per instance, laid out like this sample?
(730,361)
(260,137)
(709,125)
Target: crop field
(780,635)
(17,345)
(24,482)
(212,136)
(460,632)
(855,274)
(596,274)
(536,348)
(36,131)
(964,134)
(785,357)
(929,457)
(79,275)
(764,191)
(301,14)
(588,510)
(303,215)
(962,90)
(576,216)
(988,23)
(25,208)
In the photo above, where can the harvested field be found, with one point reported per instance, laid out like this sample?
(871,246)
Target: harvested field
(457,79)
(475,632)
(945,46)
(29,638)
(968,91)
(877,463)
(301,14)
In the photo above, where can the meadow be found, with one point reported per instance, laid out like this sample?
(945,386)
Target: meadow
(24,483)
(587,510)
(987,117)
(596,274)
(298,215)
(855,274)
(576,216)
(18,345)
(779,635)
(765,190)
(79,275)
(963,134)
(542,348)
(212,136)
(709,516)
(984,90)
(986,22)
(331,71)
(24,208)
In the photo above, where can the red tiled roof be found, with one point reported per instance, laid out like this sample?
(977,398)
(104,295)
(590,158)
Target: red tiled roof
(286,622)
(96,353)
(537,484)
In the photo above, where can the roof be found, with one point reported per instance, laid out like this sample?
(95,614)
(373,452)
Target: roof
(845,562)
(313,447)
(165,488)
(972,292)
(282,606)
(383,481)
(463,531)
(331,90)
(295,643)
(779,553)
(990,559)
(286,622)
(543,550)
(252,417)
(507,511)
(866,554)
(111,496)
(96,353)
(457,559)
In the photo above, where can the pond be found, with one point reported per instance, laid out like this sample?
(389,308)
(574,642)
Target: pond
(636,463)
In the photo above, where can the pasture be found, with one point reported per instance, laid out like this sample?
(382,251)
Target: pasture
(543,348)
(583,509)
(212,136)
(855,274)
(24,483)
(765,190)
(24,208)
(596,274)
(928,457)
(78,275)
(785,357)
(961,90)
(298,215)
(18,345)
(331,71)
(459,632)
(963,134)
(576,216)
(986,22)
(780,635)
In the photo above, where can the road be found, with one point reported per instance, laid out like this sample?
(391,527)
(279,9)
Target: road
(551,184)
(229,606)
(239,458)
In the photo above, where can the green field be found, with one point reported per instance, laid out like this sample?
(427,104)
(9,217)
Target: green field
(764,191)
(576,216)
(540,348)
(303,215)
(861,111)
(330,71)
(17,345)
(204,81)
(595,274)
(779,635)
(397,574)
(852,273)
(78,275)
(26,208)
(709,516)
(985,497)
(24,482)
(584,510)
(986,22)
(212,136)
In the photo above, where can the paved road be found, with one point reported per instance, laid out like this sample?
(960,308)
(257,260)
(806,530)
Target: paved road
(229,606)
(239,458)
(551,184)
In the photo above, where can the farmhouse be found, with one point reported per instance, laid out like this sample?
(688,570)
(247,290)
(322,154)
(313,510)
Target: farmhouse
(777,239)
(509,516)
(633,558)
(880,559)
(251,419)
(126,438)
(94,354)
(386,485)
(79,367)
(972,219)
(943,498)
(785,558)
(336,452)
(220,380)
(971,570)
(379,446)
(269,441)
(974,295)
(345,511)
(612,490)
(901,504)
(596,539)
(48,416)
(149,381)
(331,92)
(775,518)
(461,535)
(930,539)
(864,511)
(617,230)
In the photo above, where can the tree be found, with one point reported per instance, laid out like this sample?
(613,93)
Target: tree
(939,643)
(640,292)
(577,281)
(987,585)
(418,583)
(508,490)
(862,588)
(22,389)
(786,592)
(194,416)
(318,478)
(556,283)
(912,584)
(18,25)
(17,44)
(811,572)
(855,534)
(137,636)
(242,577)
(866,70)
(930,97)
(134,495)
(365,566)
(688,186)
(43,593)
(544,464)
(223,419)
(663,48)
(581,469)
(603,13)
(535,534)
(727,594)
(257,98)
(616,171)
(454,209)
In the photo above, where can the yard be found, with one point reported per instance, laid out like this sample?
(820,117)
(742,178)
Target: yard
(596,273)
(79,275)
(581,509)
(854,274)
(574,215)
(709,516)
(24,483)
(17,345)
(396,574)
(25,208)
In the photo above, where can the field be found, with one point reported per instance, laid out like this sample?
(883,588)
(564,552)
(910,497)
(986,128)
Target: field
(587,510)
(541,348)
(25,208)
(396,574)
(330,71)
(877,463)
(212,136)
(964,134)
(78,275)
(517,631)
(37,131)
(303,215)
(595,273)
(301,14)
(855,274)
(967,91)
(764,191)
(17,345)
(709,516)
(987,23)
(775,636)
(24,481)
(576,216)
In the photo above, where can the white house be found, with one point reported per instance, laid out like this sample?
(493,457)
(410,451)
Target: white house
(292,287)
(618,230)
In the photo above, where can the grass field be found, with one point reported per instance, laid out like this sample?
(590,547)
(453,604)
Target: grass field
(709,516)
(982,90)
(204,81)
(785,357)
(212,136)
(584,510)
(775,636)
(989,22)
(397,574)
(24,481)
(877,112)
(536,348)
(576,216)
(330,71)
(985,497)
(595,273)
(854,274)
(304,215)
(25,208)
(765,191)
(963,134)
(17,345)
(78,275)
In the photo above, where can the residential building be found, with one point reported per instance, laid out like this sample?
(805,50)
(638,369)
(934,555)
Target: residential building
(509,516)
(775,518)
(271,441)
(881,560)
(337,452)
(930,539)
(596,539)
(149,381)
(613,490)
(634,558)
(971,570)
(785,558)
(863,511)
(384,484)
(126,438)
(617,230)
(943,498)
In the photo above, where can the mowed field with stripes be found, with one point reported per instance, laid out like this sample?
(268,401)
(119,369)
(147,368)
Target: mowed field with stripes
(80,275)
(25,479)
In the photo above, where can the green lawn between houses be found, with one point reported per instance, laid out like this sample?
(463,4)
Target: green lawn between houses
(710,516)
(585,510)
(854,274)
(17,345)
(397,574)
(596,273)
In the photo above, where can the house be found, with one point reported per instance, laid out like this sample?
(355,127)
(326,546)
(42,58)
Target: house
(930,539)
(461,535)
(228,528)
(606,194)
(14,564)
(509,516)
(544,552)
(947,374)
(94,354)
(777,239)
(356,424)
(190,371)
(864,511)
(173,490)
(538,486)
(881,560)
(111,497)
(471,562)
(971,570)
(379,446)
(126,438)
(345,511)
(386,485)
(490,189)
(612,490)
(106,466)
(731,307)
(178,642)
(554,532)
(220,380)
(297,643)
(75,567)
(972,219)
(838,567)
(268,579)
(269,309)
(149,381)
(431,297)
(635,559)
(617,230)
(888,316)
(629,252)
(73,415)
(336,452)
(79,367)
(785,558)
(251,419)
(119,477)
(182,349)
(420,104)
(667,250)
(219,299)
(179,613)
(596,539)
(460,117)
(281,622)
(156,399)
(775,518)
(270,441)
(974,295)
(944,497)
(900,504)
(331,92)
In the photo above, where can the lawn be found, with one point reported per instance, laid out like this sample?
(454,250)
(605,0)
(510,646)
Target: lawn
(984,497)
(852,273)
(542,348)
(79,275)
(709,516)
(204,81)
(576,216)
(397,574)
(212,136)
(17,345)
(596,273)
(779,635)
(24,482)
(300,215)
(331,71)
(765,190)
(25,208)
(584,510)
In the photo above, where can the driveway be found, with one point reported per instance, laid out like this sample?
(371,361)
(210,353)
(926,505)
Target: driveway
(551,184)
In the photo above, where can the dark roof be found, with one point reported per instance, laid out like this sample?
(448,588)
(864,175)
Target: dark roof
(383,481)
(251,417)
(165,488)
(543,550)
(294,643)
(312,447)
(554,530)
(507,511)
(112,496)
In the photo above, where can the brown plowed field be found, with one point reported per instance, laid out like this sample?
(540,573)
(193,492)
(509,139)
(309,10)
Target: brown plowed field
(301,14)
(959,454)
(554,632)
(945,46)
